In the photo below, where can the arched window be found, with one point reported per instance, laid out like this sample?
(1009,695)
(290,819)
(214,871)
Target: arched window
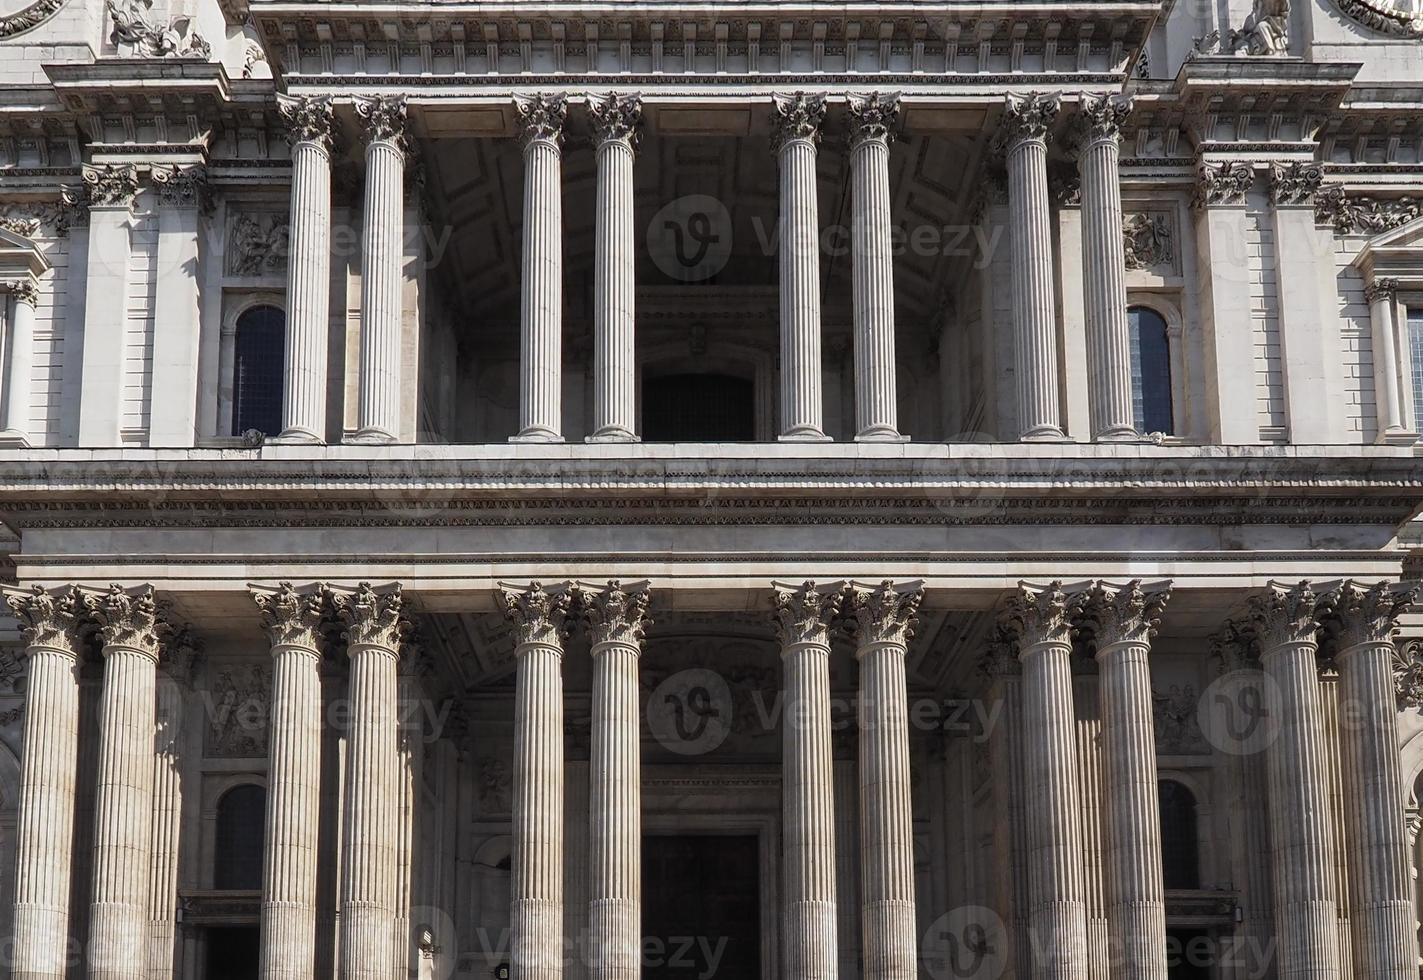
(259,358)
(1150,371)
(241,819)
(698,408)
(1180,850)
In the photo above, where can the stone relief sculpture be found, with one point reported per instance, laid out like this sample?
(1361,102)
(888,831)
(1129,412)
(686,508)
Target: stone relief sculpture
(1149,239)
(133,28)
(1266,30)
(257,244)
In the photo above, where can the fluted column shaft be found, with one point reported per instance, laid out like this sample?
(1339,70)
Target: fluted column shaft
(167,818)
(616,620)
(797,123)
(288,942)
(808,783)
(48,764)
(541,282)
(308,271)
(1104,270)
(872,120)
(23,296)
(615,122)
(1382,297)
(1300,832)
(1030,233)
(882,623)
(536,869)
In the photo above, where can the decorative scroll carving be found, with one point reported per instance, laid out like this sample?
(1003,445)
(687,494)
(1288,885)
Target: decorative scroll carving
(887,614)
(32,16)
(1284,614)
(1150,239)
(292,617)
(17,224)
(309,119)
(537,615)
(1175,716)
(1408,674)
(112,185)
(1295,183)
(616,117)
(1128,613)
(183,187)
(1384,16)
(873,116)
(1266,31)
(1040,614)
(1027,117)
(59,620)
(257,243)
(371,618)
(1352,613)
(805,614)
(132,619)
(797,117)
(383,118)
(612,615)
(1223,183)
(238,705)
(1350,214)
(541,117)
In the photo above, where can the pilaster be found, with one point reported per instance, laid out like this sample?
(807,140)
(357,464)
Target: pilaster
(111,190)
(183,202)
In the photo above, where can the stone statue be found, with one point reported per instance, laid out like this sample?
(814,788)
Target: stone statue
(1266,30)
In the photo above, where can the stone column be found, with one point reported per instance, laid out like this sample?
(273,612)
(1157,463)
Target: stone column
(1284,626)
(132,629)
(1122,621)
(1104,267)
(1394,426)
(24,296)
(615,120)
(795,133)
(882,621)
(1361,621)
(174,681)
(293,622)
(803,619)
(1027,124)
(872,121)
(382,246)
(540,124)
(1039,618)
(1003,674)
(54,626)
(540,622)
(375,626)
(616,620)
(309,129)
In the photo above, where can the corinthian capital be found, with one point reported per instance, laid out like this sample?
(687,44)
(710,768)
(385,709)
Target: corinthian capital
(614,615)
(111,186)
(1223,183)
(616,117)
(1116,614)
(887,613)
(56,620)
(873,116)
(537,615)
(1036,614)
(1353,614)
(309,119)
(371,618)
(183,187)
(382,118)
(130,619)
(1101,116)
(292,617)
(1295,183)
(541,118)
(805,613)
(1028,117)
(1283,614)
(1385,287)
(24,290)
(797,117)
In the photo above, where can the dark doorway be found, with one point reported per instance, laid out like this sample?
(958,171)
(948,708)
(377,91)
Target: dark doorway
(698,408)
(232,953)
(1190,954)
(701,908)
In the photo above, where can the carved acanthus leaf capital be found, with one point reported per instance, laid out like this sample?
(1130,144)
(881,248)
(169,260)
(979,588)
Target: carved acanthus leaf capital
(616,117)
(309,119)
(999,659)
(797,117)
(1283,614)
(24,290)
(1295,184)
(292,617)
(130,619)
(1027,118)
(1101,117)
(382,119)
(538,615)
(1381,287)
(805,614)
(613,614)
(1352,614)
(58,620)
(873,116)
(887,613)
(1408,674)
(1036,614)
(182,652)
(371,618)
(541,118)
(183,187)
(1223,183)
(1115,614)
(111,186)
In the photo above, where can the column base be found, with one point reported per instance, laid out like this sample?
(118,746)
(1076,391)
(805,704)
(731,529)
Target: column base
(295,437)
(1120,435)
(369,437)
(804,433)
(880,433)
(1390,437)
(1044,433)
(613,434)
(537,434)
(13,439)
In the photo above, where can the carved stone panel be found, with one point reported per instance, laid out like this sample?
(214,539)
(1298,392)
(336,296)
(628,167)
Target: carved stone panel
(236,707)
(256,243)
(1151,241)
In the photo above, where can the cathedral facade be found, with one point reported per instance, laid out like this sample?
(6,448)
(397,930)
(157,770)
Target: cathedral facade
(663,489)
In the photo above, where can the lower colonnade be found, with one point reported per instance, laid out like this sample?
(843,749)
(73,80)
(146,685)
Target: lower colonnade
(1276,637)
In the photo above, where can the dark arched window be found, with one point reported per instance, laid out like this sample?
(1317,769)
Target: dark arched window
(259,357)
(1180,850)
(1150,371)
(698,408)
(241,819)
